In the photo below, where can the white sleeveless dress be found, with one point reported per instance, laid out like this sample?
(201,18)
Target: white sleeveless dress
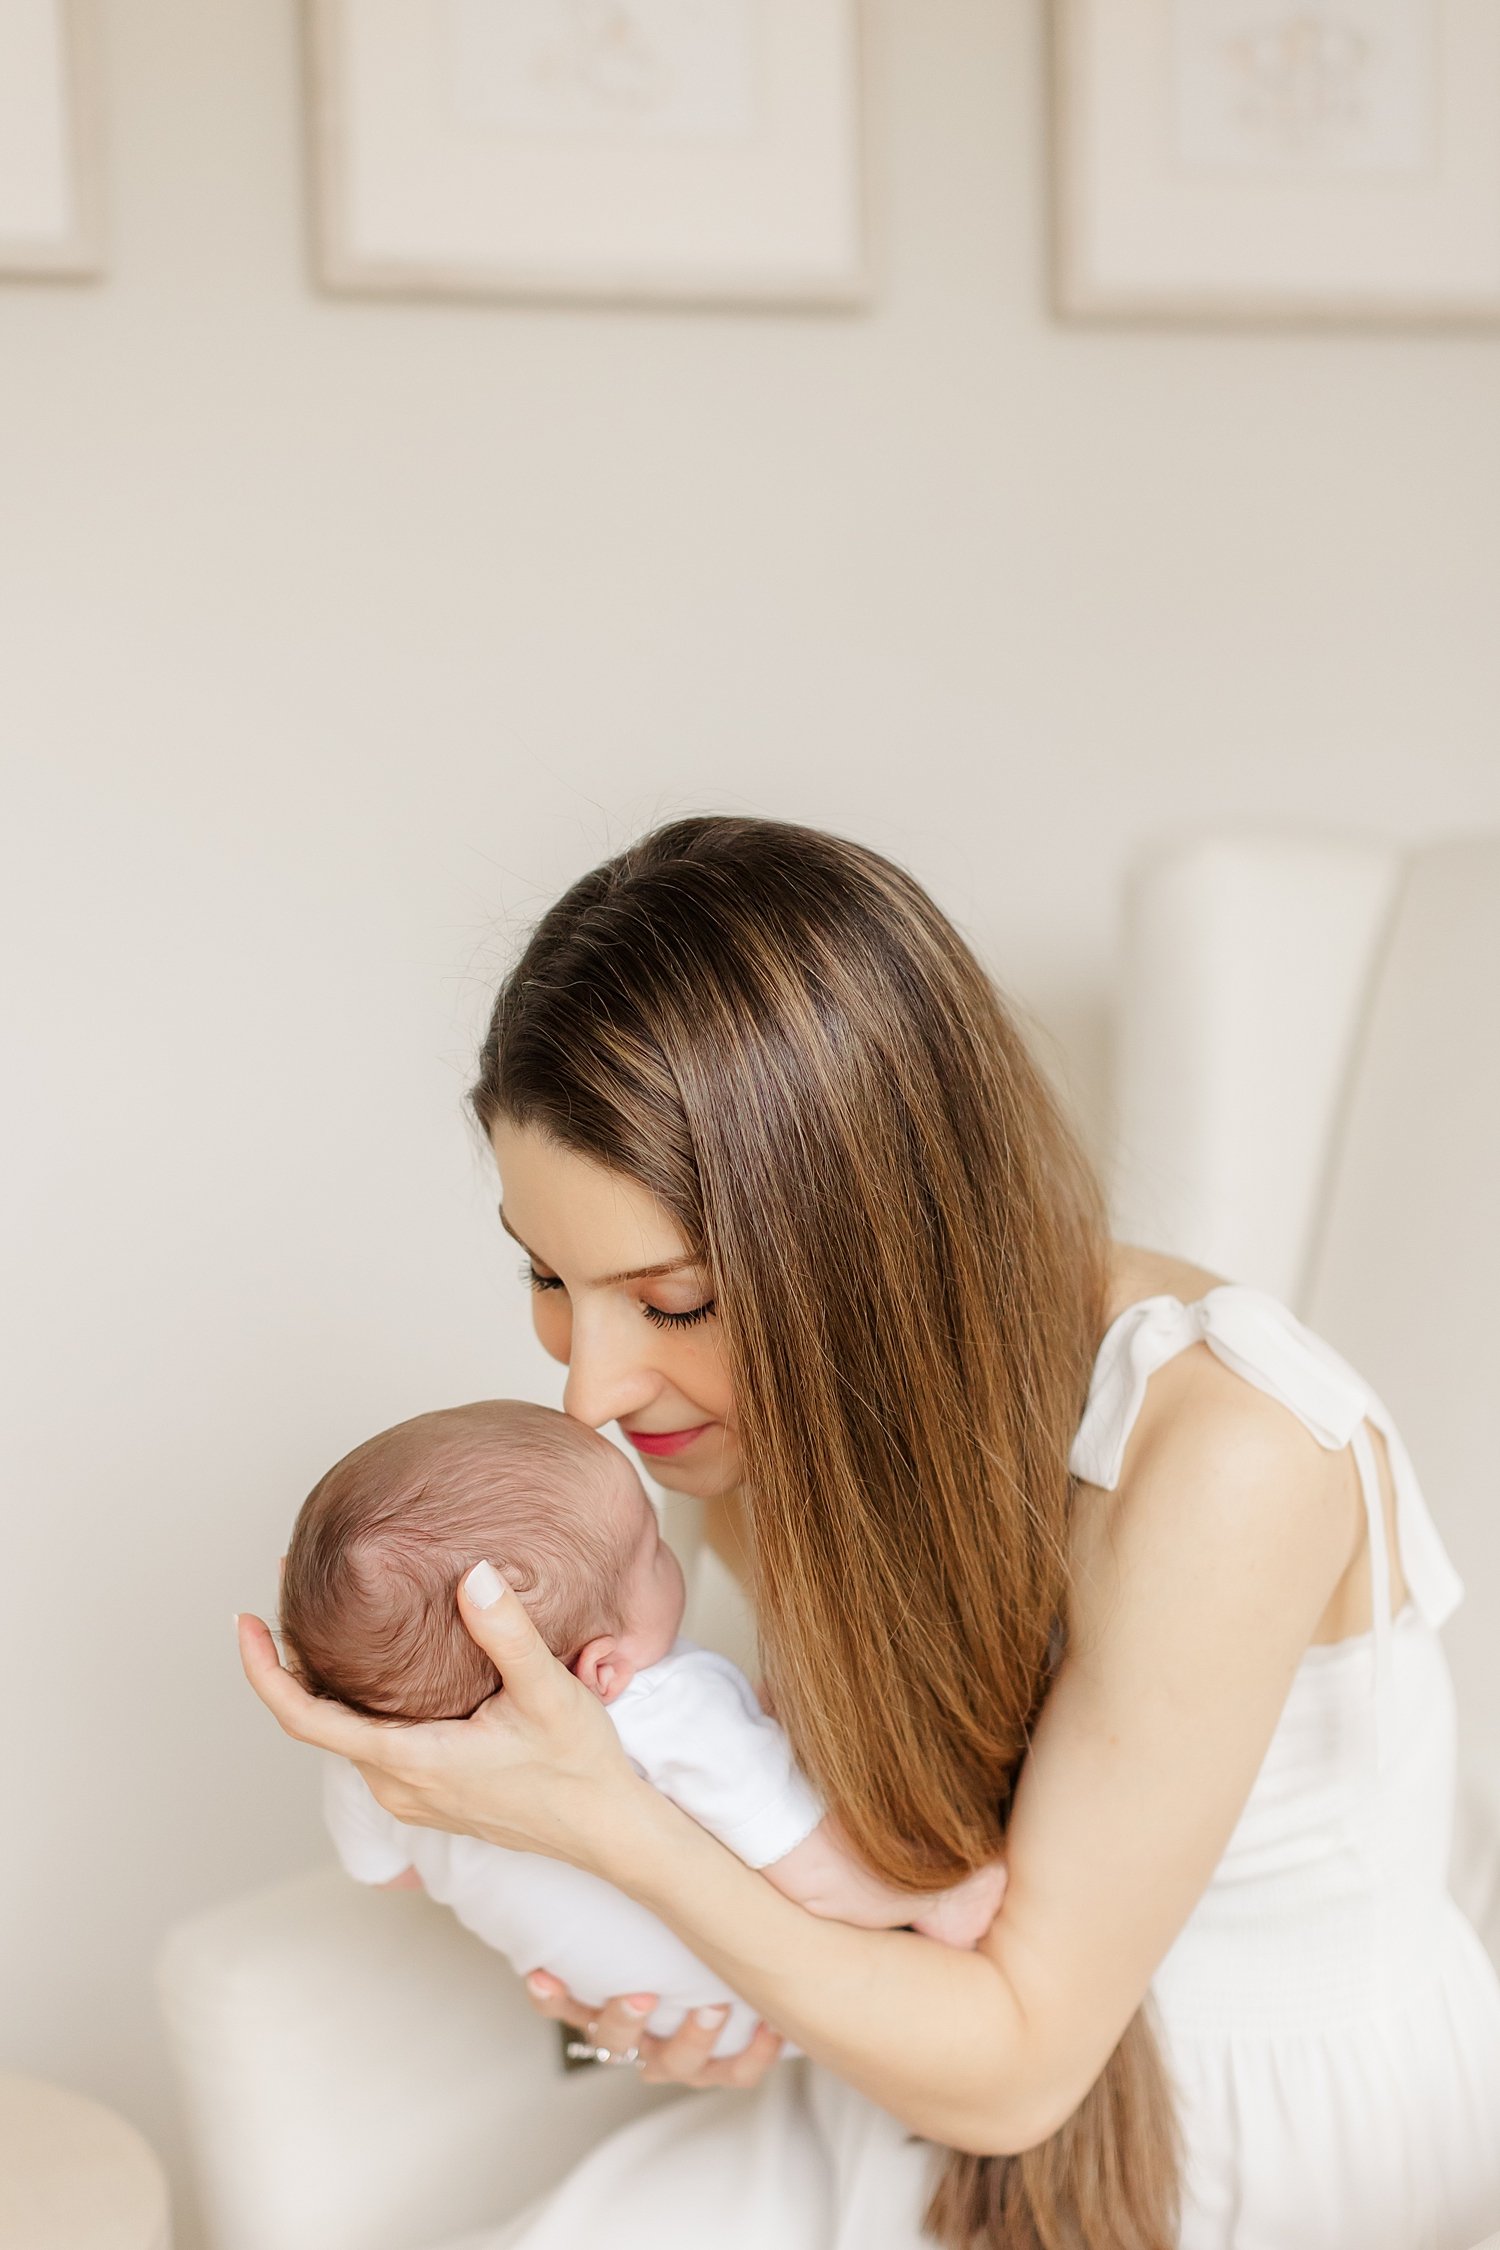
(1330,2019)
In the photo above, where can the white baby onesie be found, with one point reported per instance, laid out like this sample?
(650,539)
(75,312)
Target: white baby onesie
(692,1727)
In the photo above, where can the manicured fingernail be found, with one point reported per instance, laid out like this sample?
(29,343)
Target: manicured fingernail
(541,1986)
(639,2004)
(709,2019)
(484,1585)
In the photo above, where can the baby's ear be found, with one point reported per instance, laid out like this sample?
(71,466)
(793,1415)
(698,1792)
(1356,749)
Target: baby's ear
(604,1668)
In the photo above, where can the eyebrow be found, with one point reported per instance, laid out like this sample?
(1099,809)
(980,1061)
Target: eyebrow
(608,1280)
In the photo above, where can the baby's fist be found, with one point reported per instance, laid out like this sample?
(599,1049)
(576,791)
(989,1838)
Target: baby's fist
(960,1916)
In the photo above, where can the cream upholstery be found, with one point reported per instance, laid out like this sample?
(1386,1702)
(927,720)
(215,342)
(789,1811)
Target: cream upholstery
(361,2074)
(1308,1093)
(1404,1274)
(1354,1078)
(1246,966)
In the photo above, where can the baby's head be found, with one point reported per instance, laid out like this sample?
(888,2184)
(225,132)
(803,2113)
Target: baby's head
(368,1609)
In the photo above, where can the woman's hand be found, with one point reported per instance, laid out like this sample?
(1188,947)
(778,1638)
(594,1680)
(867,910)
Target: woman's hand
(682,2060)
(538,1768)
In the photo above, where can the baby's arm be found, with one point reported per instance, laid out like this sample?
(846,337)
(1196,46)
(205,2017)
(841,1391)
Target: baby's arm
(705,1740)
(371,1844)
(823,1874)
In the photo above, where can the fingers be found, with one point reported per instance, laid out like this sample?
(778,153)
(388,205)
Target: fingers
(749,2067)
(681,2058)
(307,1718)
(621,2024)
(495,1616)
(685,2059)
(616,2024)
(549,1998)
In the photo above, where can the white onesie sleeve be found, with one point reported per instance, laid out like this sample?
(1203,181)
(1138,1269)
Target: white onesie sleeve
(693,1727)
(370,1842)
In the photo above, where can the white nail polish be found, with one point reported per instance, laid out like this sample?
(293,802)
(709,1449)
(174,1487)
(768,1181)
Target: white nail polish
(484,1585)
(709,2019)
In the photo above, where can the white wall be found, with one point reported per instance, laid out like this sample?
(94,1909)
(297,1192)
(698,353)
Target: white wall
(337,636)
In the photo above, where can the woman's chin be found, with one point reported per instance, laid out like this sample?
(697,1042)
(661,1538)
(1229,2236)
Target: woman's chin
(711,1478)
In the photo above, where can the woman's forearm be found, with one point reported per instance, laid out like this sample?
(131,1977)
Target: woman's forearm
(931,2034)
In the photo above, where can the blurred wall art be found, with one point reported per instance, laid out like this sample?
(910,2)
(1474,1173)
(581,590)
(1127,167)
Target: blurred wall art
(1278,159)
(51,217)
(674,150)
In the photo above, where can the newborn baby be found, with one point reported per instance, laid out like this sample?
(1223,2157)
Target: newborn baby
(368,1616)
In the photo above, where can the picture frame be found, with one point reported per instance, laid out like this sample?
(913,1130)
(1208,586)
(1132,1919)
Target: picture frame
(51,171)
(659,152)
(1291,161)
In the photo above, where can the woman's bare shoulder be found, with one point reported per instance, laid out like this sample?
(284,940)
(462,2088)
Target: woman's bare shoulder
(1135,1272)
(1213,1459)
(1193,1399)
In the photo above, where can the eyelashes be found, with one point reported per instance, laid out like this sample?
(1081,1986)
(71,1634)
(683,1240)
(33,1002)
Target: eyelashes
(654,1313)
(660,1319)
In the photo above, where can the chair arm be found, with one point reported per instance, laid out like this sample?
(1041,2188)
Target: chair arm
(359,2073)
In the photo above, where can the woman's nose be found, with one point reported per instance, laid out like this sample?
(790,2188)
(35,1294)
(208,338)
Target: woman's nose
(603,1383)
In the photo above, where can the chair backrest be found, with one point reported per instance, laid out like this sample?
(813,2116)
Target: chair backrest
(1404,1276)
(1245,963)
(1308,1097)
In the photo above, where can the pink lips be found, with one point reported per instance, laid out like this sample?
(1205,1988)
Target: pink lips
(659,1442)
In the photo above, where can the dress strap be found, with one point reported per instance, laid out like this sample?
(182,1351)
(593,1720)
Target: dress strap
(1256,1335)
(1261,1340)
(1380,1588)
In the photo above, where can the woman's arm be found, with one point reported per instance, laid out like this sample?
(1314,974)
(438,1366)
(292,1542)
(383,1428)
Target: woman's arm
(1193,1606)
(1195,1602)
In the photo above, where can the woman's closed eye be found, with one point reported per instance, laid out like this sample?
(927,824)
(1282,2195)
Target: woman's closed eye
(656,1314)
(660,1319)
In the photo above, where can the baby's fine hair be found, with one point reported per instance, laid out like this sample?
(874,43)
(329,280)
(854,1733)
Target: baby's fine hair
(368,1609)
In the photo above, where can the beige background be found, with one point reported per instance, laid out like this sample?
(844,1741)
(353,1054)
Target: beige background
(337,636)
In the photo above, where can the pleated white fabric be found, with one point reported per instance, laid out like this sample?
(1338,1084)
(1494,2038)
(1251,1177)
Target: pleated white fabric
(1331,2021)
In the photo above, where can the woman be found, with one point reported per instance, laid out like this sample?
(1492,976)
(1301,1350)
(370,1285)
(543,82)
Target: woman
(1053,1542)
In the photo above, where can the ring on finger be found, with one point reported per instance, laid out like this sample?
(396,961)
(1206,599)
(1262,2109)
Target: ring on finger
(585,2050)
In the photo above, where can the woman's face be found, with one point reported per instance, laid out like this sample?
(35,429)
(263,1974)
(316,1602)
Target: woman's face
(617,1300)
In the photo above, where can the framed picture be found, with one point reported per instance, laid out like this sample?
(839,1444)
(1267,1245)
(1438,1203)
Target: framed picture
(50,203)
(1295,160)
(638,150)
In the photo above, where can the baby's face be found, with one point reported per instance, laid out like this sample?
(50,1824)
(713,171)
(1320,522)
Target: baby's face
(652,1592)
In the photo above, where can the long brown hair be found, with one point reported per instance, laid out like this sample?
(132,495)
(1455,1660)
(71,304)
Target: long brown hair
(778,1034)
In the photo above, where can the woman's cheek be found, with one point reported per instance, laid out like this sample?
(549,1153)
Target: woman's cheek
(553,1322)
(705,1377)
